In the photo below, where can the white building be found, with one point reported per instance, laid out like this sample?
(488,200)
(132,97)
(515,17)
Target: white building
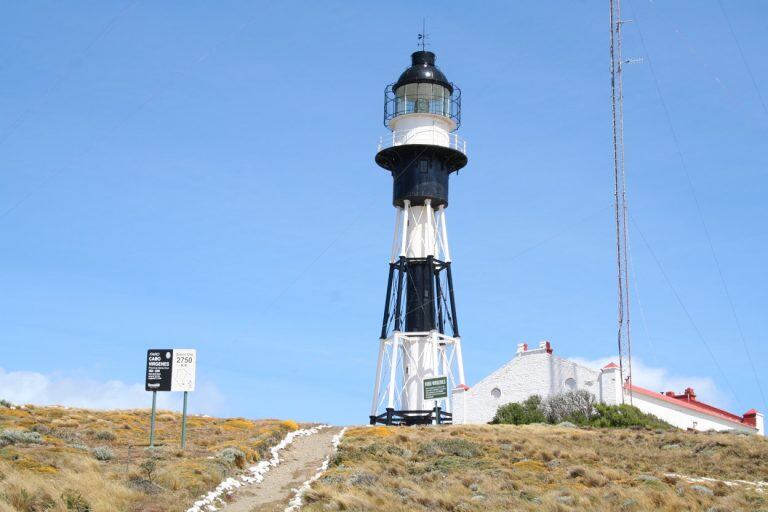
(540,372)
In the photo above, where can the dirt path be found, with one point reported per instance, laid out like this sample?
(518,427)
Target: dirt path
(299,462)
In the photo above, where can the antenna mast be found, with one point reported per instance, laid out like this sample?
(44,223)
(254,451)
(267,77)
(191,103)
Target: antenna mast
(620,200)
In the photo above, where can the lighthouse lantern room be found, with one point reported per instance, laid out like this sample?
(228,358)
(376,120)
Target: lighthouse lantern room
(420,332)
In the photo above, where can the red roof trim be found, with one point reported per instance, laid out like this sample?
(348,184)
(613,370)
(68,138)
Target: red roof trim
(693,405)
(610,365)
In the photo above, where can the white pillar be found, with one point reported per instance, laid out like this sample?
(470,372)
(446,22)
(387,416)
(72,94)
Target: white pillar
(421,232)
(376,388)
(413,355)
(393,371)
(459,361)
(444,234)
(404,228)
(397,235)
(444,364)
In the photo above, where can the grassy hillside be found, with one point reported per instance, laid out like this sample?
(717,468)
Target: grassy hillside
(88,461)
(542,468)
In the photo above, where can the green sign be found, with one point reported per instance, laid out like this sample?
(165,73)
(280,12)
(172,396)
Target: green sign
(436,388)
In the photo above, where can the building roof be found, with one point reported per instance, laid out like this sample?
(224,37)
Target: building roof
(695,405)
(610,365)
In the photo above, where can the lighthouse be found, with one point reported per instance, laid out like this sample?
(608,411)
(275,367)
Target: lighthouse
(419,336)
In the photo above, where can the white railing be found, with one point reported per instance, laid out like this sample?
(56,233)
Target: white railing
(425,136)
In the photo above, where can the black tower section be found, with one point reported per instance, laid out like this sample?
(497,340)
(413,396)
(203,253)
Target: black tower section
(420,172)
(420,294)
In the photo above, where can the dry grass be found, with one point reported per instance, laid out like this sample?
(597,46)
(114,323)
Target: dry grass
(537,467)
(62,473)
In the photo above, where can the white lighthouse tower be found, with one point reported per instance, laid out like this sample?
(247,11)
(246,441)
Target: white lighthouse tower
(420,332)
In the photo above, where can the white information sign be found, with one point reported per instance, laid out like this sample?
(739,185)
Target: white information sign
(183,369)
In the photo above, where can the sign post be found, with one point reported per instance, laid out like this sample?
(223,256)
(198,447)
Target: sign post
(183,379)
(170,370)
(434,389)
(184,423)
(152,420)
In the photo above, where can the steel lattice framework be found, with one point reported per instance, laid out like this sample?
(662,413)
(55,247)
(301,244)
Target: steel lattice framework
(624,338)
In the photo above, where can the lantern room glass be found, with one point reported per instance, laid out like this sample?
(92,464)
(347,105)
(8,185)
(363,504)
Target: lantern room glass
(423,98)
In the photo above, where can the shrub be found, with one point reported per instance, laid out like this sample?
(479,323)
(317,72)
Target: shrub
(579,407)
(104,435)
(575,406)
(103,453)
(523,413)
(625,415)
(67,435)
(41,429)
(74,501)
(233,456)
(148,467)
(6,403)
(16,436)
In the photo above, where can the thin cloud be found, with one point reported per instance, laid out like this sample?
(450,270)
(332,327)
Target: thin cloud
(26,387)
(663,379)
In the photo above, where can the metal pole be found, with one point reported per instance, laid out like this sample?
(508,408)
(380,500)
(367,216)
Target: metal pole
(404,227)
(184,423)
(398,301)
(439,292)
(444,235)
(377,383)
(431,265)
(453,301)
(392,375)
(152,420)
(387,302)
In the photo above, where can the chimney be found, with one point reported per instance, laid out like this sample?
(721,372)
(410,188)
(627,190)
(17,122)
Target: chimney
(750,418)
(690,394)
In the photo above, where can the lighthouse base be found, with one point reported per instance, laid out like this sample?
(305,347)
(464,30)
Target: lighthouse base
(436,416)
(405,360)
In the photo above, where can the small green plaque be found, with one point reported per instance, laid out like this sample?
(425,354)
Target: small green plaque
(436,388)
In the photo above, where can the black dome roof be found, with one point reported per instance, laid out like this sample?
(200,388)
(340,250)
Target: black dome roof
(423,69)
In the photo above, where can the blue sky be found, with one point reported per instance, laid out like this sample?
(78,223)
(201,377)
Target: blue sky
(202,176)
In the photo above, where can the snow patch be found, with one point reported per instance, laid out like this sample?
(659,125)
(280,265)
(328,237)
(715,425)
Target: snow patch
(298,494)
(253,475)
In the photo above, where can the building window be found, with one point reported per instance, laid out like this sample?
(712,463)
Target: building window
(496,393)
(570,385)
